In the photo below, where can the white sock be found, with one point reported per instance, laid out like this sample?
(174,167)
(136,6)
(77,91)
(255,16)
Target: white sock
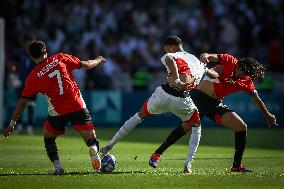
(125,129)
(57,164)
(193,145)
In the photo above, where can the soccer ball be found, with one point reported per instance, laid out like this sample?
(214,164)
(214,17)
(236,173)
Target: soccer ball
(108,163)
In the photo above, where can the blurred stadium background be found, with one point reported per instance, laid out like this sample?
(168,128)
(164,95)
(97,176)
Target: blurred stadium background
(129,35)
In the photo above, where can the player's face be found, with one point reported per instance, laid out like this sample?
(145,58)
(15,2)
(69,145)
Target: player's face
(170,48)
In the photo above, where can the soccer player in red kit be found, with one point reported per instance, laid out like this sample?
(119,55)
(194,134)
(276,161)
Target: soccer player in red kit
(52,76)
(235,75)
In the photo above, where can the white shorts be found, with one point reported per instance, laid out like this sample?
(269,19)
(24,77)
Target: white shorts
(162,102)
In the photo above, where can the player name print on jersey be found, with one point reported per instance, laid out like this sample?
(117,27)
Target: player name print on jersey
(48,67)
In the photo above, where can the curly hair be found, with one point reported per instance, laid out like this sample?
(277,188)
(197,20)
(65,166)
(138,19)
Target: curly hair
(251,67)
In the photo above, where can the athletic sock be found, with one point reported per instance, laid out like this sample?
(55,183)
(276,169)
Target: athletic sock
(93,142)
(175,135)
(57,164)
(240,144)
(193,145)
(128,126)
(51,149)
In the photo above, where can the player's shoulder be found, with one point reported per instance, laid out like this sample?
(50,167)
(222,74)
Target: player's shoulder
(61,55)
(167,55)
(227,58)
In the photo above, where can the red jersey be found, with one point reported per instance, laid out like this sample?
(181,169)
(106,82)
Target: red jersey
(53,78)
(227,84)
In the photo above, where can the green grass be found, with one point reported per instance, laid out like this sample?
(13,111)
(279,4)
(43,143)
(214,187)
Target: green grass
(24,164)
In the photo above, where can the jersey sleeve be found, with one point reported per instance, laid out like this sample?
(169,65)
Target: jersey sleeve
(31,87)
(226,59)
(72,61)
(249,88)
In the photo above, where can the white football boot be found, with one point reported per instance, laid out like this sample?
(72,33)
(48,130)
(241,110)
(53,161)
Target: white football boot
(95,158)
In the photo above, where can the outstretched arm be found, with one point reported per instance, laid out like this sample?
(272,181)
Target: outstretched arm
(19,109)
(270,118)
(205,57)
(89,64)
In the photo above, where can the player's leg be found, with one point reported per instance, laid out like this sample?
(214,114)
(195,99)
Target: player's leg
(233,121)
(195,125)
(174,136)
(51,131)
(154,105)
(127,127)
(185,109)
(92,142)
(82,123)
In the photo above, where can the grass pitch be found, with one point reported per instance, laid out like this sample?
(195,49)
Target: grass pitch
(24,164)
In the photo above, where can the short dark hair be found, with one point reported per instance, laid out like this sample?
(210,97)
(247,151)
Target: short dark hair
(251,67)
(37,49)
(172,40)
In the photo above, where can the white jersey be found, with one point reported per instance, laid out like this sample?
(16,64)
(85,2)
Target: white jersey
(187,64)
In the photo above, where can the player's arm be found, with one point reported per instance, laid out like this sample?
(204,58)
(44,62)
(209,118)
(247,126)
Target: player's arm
(205,58)
(89,64)
(171,63)
(270,118)
(212,73)
(21,104)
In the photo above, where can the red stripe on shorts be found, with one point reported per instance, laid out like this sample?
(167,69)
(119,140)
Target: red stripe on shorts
(48,127)
(218,118)
(86,127)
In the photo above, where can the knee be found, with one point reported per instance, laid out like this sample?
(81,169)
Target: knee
(240,127)
(186,127)
(142,115)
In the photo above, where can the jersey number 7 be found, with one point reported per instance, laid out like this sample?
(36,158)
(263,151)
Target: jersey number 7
(59,81)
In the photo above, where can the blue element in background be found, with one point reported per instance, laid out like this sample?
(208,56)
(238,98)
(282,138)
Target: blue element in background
(113,108)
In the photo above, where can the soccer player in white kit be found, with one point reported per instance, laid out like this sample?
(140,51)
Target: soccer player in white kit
(184,73)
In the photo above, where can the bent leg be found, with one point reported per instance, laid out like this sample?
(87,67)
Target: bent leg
(233,121)
(89,136)
(82,123)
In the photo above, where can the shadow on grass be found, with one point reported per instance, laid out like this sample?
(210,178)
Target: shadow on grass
(229,158)
(74,173)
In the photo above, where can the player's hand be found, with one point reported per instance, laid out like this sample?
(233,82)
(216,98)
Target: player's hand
(271,120)
(100,59)
(204,57)
(9,130)
(212,74)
